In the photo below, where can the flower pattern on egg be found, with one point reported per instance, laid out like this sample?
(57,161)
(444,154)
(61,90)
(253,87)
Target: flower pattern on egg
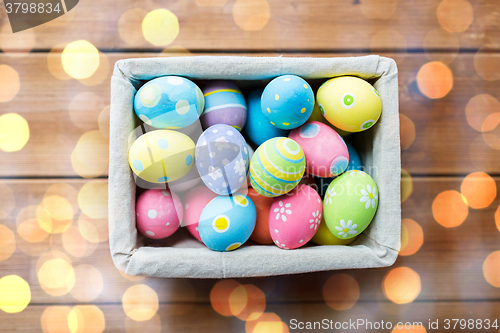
(356,173)
(221,143)
(214,173)
(346,228)
(369,196)
(329,196)
(282,210)
(240,166)
(315,220)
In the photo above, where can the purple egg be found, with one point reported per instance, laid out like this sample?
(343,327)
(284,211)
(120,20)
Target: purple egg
(224,104)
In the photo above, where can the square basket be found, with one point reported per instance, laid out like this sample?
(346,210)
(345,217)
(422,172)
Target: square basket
(184,257)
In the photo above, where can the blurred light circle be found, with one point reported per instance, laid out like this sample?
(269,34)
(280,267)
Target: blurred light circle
(210,3)
(7,243)
(93,230)
(88,283)
(251,15)
(407,131)
(439,39)
(80,59)
(450,209)
(434,80)
(58,208)
(101,74)
(31,231)
(497,218)
(18,44)
(491,269)
(15,294)
(406,185)
(55,319)
(247,302)
(479,109)
(219,296)
(175,51)
(9,85)
(376,9)
(75,244)
(414,237)
(341,291)
(53,225)
(56,276)
(479,189)
(268,322)
(130,26)
(84,110)
(487,62)
(401,285)
(160,27)
(8,201)
(14,130)
(63,190)
(54,62)
(86,319)
(140,302)
(455,15)
(93,199)
(90,157)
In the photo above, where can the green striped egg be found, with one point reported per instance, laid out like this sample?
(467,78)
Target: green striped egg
(277,166)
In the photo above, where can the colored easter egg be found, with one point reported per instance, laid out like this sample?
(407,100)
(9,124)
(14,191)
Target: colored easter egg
(227,222)
(317,116)
(258,128)
(295,217)
(190,180)
(349,103)
(222,159)
(350,203)
(194,202)
(263,204)
(324,237)
(325,150)
(161,156)
(159,213)
(169,102)
(224,104)
(277,167)
(287,101)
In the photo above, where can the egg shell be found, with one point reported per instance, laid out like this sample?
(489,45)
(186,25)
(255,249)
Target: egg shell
(169,102)
(325,150)
(323,236)
(287,101)
(263,204)
(277,167)
(295,217)
(317,116)
(190,180)
(350,203)
(227,222)
(194,202)
(224,104)
(258,128)
(349,103)
(158,213)
(222,159)
(161,156)
(355,162)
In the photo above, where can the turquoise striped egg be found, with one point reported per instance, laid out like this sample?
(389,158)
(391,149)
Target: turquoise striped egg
(277,167)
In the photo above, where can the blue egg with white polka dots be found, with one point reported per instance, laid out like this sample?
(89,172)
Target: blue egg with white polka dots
(287,102)
(227,222)
(169,102)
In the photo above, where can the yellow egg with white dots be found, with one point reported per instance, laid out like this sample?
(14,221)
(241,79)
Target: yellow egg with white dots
(161,156)
(349,103)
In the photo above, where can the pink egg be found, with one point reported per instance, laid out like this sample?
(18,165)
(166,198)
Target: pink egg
(325,150)
(295,217)
(159,213)
(194,202)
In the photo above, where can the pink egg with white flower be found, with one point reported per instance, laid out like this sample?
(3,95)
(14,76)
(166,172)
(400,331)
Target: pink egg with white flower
(158,213)
(325,150)
(194,202)
(295,217)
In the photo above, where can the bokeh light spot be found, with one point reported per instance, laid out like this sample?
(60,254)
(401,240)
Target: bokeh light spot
(88,283)
(93,199)
(407,131)
(487,62)
(439,39)
(56,275)
(130,26)
(455,15)
(434,80)
(54,62)
(101,74)
(219,296)
(160,27)
(450,209)
(175,51)
(497,218)
(406,185)
(140,302)
(268,322)
(15,294)
(75,244)
(63,190)
(93,230)
(247,302)
(86,319)
(341,291)
(31,231)
(7,242)
(8,201)
(80,59)
(53,225)
(251,15)
(9,85)
(401,285)
(479,189)
(55,319)
(491,269)
(14,130)
(90,157)
(58,207)
(478,112)
(414,237)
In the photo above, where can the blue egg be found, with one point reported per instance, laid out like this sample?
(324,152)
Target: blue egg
(257,127)
(169,102)
(287,102)
(227,222)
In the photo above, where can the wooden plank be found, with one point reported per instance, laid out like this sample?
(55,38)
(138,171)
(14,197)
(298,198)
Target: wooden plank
(293,25)
(445,143)
(449,263)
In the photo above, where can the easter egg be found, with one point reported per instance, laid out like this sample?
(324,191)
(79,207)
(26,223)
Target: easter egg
(323,236)
(325,151)
(263,204)
(227,222)
(317,116)
(350,203)
(222,159)
(159,213)
(190,180)
(354,159)
(169,102)
(258,128)
(224,104)
(287,101)
(294,218)
(161,156)
(194,202)
(349,103)
(277,167)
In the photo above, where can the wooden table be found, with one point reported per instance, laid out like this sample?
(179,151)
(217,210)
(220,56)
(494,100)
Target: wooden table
(53,235)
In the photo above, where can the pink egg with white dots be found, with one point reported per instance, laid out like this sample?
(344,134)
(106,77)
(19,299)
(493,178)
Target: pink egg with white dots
(295,217)
(158,213)
(194,202)
(325,150)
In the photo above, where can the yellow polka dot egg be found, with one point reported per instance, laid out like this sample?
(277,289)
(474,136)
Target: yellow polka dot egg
(161,156)
(169,102)
(227,222)
(349,103)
